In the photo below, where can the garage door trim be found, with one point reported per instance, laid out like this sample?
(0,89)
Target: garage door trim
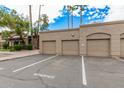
(99,55)
(78,49)
(54,50)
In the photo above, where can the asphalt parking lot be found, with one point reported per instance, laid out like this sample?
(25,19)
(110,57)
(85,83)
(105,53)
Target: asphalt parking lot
(104,72)
(59,71)
(51,71)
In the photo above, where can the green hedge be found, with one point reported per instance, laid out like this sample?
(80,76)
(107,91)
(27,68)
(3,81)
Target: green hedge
(5,46)
(29,47)
(17,47)
(24,47)
(11,48)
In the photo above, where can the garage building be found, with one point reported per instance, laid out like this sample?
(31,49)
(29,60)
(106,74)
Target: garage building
(98,39)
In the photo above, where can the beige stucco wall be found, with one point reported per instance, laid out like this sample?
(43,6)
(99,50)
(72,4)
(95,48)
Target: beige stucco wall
(115,31)
(58,35)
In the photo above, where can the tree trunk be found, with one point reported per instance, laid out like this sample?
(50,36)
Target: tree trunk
(37,37)
(68,19)
(23,42)
(72,19)
(30,14)
(39,18)
(81,20)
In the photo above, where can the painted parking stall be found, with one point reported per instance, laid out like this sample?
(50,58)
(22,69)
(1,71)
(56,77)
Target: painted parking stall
(49,71)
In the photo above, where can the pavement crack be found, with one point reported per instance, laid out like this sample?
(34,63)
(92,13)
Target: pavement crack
(45,84)
(42,80)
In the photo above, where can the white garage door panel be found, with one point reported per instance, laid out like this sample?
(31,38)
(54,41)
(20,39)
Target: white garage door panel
(122,47)
(98,47)
(70,47)
(49,47)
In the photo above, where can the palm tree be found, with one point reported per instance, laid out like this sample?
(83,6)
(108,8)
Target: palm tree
(81,10)
(30,16)
(39,18)
(72,16)
(81,14)
(68,10)
(37,30)
(71,9)
(31,30)
(45,22)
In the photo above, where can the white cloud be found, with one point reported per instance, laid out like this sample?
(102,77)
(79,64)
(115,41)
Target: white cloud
(76,13)
(59,2)
(51,10)
(116,13)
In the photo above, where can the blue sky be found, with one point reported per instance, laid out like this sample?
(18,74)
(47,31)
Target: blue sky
(90,14)
(58,15)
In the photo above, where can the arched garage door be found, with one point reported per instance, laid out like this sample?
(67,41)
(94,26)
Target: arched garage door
(98,45)
(49,47)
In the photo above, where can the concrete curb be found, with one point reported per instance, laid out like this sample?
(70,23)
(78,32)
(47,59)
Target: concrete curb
(7,53)
(17,57)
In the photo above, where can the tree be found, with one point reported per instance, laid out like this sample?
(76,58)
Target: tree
(31,29)
(6,34)
(40,25)
(20,24)
(15,22)
(43,23)
(71,9)
(81,9)
(5,19)
(68,11)
(39,18)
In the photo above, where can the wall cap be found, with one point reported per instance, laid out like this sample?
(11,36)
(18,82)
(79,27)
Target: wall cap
(104,23)
(59,30)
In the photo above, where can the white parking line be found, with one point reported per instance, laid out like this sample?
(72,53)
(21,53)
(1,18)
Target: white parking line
(84,80)
(44,75)
(22,68)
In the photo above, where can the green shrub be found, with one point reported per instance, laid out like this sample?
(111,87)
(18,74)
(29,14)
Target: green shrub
(29,47)
(24,46)
(17,47)
(5,46)
(20,47)
(11,48)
